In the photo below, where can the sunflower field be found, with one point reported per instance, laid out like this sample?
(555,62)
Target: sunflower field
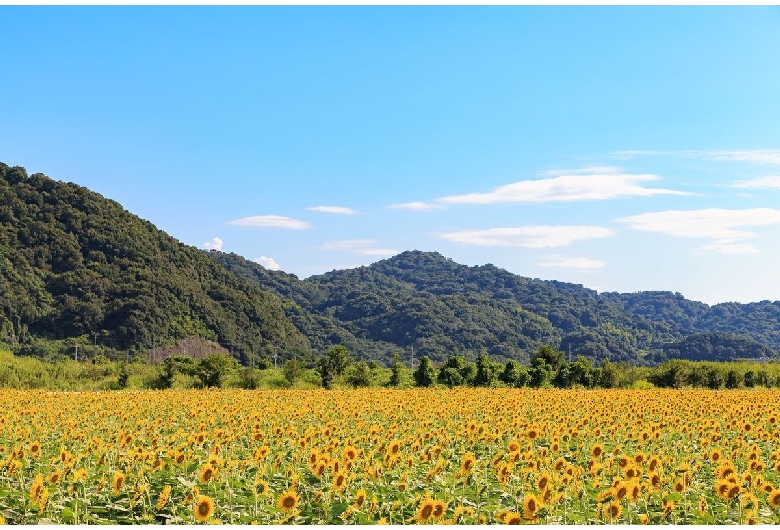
(512,456)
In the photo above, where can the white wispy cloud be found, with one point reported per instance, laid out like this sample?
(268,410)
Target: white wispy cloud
(271,221)
(214,244)
(268,263)
(572,263)
(730,246)
(342,210)
(603,185)
(348,244)
(416,206)
(526,236)
(755,156)
(725,227)
(771,182)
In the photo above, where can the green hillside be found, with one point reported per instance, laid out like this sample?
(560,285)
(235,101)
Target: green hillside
(75,265)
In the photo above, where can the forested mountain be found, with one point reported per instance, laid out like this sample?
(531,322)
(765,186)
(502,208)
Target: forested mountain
(75,264)
(426,302)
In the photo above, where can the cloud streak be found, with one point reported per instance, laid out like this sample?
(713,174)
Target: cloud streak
(526,236)
(416,206)
(725,227)
(567,188)
(271,221)
(770,182)
(341,210)
(754,156)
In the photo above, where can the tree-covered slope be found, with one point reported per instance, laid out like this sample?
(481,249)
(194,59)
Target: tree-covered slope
(716,346)
(482,307)
(73,263)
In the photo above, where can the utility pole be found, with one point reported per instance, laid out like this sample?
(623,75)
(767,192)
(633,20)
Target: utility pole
(570,352)
(77,353)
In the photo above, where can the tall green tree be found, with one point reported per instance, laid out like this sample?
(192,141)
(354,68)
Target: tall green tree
(457,371)
(213,369)
(486,372)
(425,375)
(514,375)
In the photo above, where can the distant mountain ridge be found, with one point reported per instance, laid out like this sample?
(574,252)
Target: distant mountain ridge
(75,266)
(428,302)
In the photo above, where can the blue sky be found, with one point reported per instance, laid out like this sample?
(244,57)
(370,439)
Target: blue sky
(623,148)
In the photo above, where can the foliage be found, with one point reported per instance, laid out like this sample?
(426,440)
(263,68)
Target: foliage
(75,265)
(292,371)
(335,362)
(456,371)
(425,374)
(213,369)
(487,372)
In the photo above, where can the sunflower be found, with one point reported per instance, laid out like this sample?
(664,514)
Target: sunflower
(774,498)
(654,463)
(35,449)
(117,482)
(80,475)
(513,518)
(725,469)
(597,450)
(532,433)
(425,510)
(620,490)
(613,510)
(36,489)
(206,473)
(530,506)
(350,453)
(513,446)
(287,501)
(439,507)
(204,508)
(339,481)
(467,463)
(42,502)
(634,490)
(261,486)
(644,519)
(314,456)
(734,490)
(55,477)
(543,481)
(360,498)
(165,494)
